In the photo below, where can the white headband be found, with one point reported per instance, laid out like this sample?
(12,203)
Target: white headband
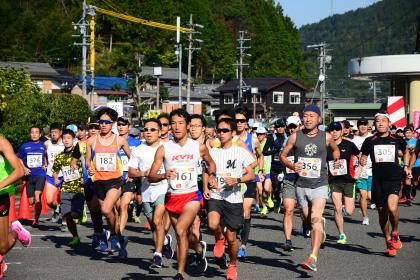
(382,114)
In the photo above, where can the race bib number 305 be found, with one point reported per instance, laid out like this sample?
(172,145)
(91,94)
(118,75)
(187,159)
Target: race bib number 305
(342,169)
(106,161)
(384,153)
(70,175)
(34,161)
(185,177)
(311,167)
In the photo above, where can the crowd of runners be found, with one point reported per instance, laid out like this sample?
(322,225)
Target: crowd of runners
(184,173)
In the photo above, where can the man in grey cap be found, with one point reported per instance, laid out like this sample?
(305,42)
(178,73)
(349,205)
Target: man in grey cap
(310,146)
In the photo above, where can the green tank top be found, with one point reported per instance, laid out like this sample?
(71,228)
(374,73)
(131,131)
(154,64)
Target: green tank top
(267,160)
(5,170)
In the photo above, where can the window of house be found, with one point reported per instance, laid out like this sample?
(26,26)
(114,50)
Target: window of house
(228,99)
(258,98)
(278,97)
(294,98)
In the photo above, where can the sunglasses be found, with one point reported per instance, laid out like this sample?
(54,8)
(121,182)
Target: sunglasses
(259,134)
(105,121)
(334,129)
(150,129)
(254,128)
(240,120)
(165,124)
(122,124)
(223,130)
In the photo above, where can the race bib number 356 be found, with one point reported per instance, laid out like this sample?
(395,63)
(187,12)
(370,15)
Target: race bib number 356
(311,167)
(106,161)
(384,153)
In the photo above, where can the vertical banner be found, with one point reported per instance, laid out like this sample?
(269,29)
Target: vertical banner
(396,111)
(416,119)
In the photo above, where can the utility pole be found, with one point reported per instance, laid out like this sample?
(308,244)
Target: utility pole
(82,25)
(324,63)
(91,12)
(139,57)
(178,53)
(242,53)
(191,49)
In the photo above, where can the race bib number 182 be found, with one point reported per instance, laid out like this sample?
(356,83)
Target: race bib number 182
(106,161)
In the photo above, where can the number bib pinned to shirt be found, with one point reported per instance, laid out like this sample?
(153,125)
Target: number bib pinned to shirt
(70,175)
(52,156)
(34,160)
(186,177)
(220,179)
(342,169)
(384,153)
(292,160)
(124,162)
(106,162)
(311,167)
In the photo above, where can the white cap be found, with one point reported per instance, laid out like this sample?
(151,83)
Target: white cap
(293,120)
(261,129)
(255,125)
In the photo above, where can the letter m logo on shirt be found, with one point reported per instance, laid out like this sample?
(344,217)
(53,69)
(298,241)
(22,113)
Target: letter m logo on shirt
(231,164)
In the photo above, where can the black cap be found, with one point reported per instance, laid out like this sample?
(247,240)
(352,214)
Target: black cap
(346,123)
(279,123)
(393,127)
(335,126)
(123,120)
(362,121)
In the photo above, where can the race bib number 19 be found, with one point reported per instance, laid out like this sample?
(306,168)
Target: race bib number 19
(106,161)
(34,160)
(311,167)
(220,178)
(384,153)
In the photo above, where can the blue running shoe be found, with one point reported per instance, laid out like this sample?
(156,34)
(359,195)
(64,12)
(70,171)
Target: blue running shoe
(96,240)
(242,253)
(115,245)
(123,250)
(103,243)
(167,250)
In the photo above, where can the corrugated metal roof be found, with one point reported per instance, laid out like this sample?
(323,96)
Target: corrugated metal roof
(34,68)
(354,106)
(167,73)
(262,83)
(107,83)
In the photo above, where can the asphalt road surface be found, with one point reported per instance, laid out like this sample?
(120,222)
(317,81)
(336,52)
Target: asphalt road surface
(363,257)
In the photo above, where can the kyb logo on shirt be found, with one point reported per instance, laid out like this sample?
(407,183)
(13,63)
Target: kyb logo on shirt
(182,157)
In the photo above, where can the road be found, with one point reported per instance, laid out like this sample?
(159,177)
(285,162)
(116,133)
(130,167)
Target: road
(363,257)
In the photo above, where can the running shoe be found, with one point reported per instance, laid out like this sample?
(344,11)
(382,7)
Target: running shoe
(309,264)
(55,217)
(3,267)
(323,229)
(270,202)
(83,219)
(277,208)
(365,221)
(264,211)
(200,259)
(35,224)
(342,239)
(96,240)
(64,228)
(231,272)
(122,254)
(373,206)
(219,248)
(179,276)
(222,262)
(157,262)
(288,246)
(137,219)
(147,226)
(103,243)
(256,208)
(115,245)
(392,252)
(74,241)
(167,250)
(242,253)
(402,200)
(395,240)
(23,235)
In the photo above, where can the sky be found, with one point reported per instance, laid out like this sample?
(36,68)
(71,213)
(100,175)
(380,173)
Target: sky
(310,11)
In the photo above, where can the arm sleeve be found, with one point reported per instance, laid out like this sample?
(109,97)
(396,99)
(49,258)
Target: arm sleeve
(76,152)
(269,148)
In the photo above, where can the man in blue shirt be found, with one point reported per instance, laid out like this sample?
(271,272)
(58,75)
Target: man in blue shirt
(31,154)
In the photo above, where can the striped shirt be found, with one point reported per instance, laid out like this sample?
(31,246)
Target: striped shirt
(229,163)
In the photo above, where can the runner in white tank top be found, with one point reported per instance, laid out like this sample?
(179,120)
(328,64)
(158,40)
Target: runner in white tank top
(183,200)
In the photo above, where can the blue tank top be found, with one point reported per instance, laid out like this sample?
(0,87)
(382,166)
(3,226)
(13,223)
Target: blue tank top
(248,142)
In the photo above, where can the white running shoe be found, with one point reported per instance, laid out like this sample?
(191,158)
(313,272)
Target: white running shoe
(365,221)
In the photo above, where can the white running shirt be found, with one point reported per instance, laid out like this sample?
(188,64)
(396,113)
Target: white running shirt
(142,158)
(229,163)
(367,170)
(52,151)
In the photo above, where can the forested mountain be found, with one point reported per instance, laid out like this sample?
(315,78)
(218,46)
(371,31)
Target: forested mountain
(384,28)
(35,30)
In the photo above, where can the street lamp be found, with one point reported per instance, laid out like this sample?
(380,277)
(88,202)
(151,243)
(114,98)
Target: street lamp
(254,92)
(157,71)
